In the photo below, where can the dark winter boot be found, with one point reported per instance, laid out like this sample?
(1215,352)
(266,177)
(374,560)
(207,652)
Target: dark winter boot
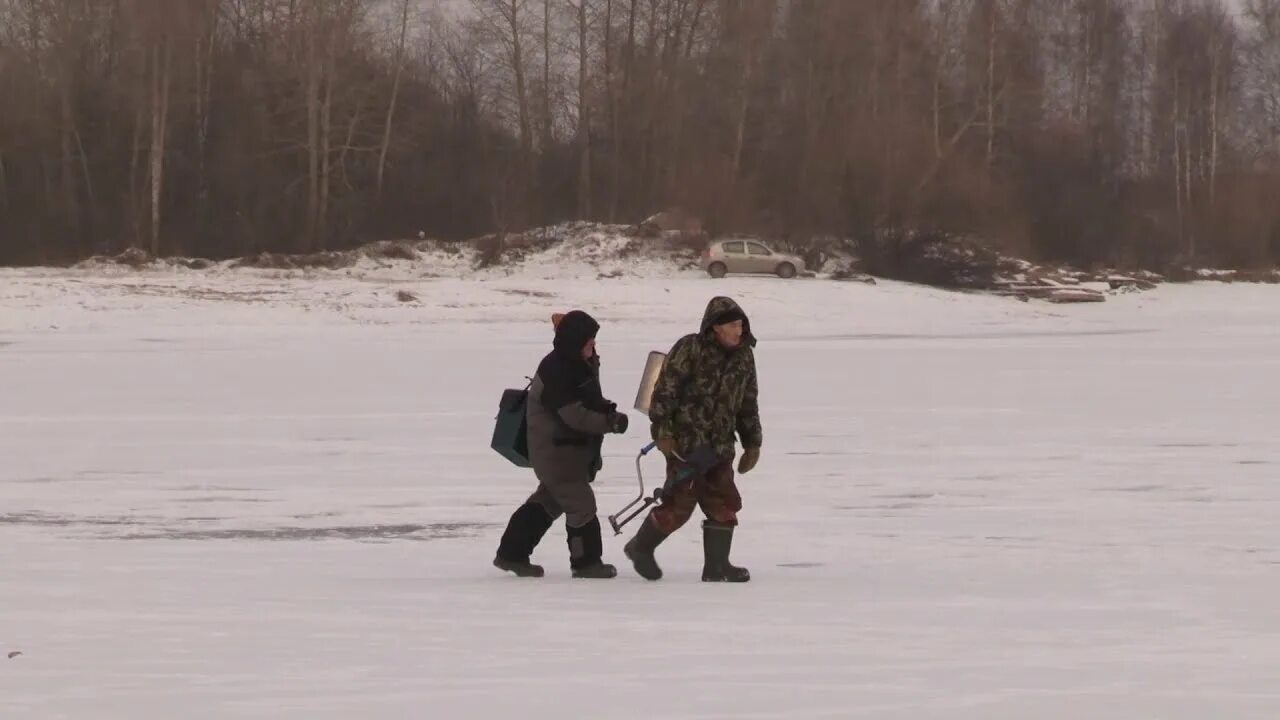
(717,538)
(585,551)
(640,549)
(524,531)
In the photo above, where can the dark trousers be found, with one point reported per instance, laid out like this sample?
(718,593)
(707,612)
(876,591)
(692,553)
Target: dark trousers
(574,499)
(714,491)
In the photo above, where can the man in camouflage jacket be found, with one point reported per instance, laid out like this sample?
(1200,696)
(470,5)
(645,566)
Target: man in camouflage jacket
(706,392)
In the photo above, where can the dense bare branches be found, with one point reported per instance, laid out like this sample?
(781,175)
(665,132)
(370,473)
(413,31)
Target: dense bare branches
(1129,131)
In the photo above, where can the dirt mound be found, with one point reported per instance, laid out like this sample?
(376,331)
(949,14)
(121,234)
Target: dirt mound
(331,260)
(602,250)
(931,258)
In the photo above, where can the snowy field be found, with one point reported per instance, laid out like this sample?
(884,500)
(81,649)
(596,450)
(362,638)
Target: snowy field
(257,495)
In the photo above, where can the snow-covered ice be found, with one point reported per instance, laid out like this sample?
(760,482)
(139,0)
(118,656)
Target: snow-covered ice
(270,495)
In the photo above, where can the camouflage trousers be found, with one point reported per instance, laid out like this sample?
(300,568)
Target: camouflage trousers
(714,491)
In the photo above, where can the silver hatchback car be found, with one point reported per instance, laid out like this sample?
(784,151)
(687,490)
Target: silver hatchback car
(748,256)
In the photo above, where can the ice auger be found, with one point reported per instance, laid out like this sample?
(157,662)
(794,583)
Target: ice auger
(699,461)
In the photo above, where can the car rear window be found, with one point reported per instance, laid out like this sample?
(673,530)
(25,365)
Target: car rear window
(734,247)
(757,249)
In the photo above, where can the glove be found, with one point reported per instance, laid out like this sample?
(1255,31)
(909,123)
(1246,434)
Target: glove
(750,457)
(667,446)
(618,422)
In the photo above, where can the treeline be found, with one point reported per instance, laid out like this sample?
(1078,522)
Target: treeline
(1131,132)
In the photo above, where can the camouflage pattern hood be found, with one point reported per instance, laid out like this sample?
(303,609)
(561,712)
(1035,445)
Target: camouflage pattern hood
(724,307)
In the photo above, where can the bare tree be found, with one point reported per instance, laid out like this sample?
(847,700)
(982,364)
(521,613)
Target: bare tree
(1129,131)
(1262,78)
(583,134)
(398,73)
(160,66)
(505,22)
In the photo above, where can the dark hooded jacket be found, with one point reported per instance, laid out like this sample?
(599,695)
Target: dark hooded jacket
(567,414)
(706,393)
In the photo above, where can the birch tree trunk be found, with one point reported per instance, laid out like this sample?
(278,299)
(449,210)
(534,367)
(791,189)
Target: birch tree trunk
(313,81)
(162,57)
(584,117)
(395,94)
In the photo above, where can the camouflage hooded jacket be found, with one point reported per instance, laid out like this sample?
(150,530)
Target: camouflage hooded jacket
(706,392)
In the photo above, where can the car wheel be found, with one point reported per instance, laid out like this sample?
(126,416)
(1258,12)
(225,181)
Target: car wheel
(786,271)
(717,270)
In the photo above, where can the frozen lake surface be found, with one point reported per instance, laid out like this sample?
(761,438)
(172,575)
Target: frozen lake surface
(263,496)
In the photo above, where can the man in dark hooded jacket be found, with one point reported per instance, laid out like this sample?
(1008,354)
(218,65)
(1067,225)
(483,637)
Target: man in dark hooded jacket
(706,393)
(567,418)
